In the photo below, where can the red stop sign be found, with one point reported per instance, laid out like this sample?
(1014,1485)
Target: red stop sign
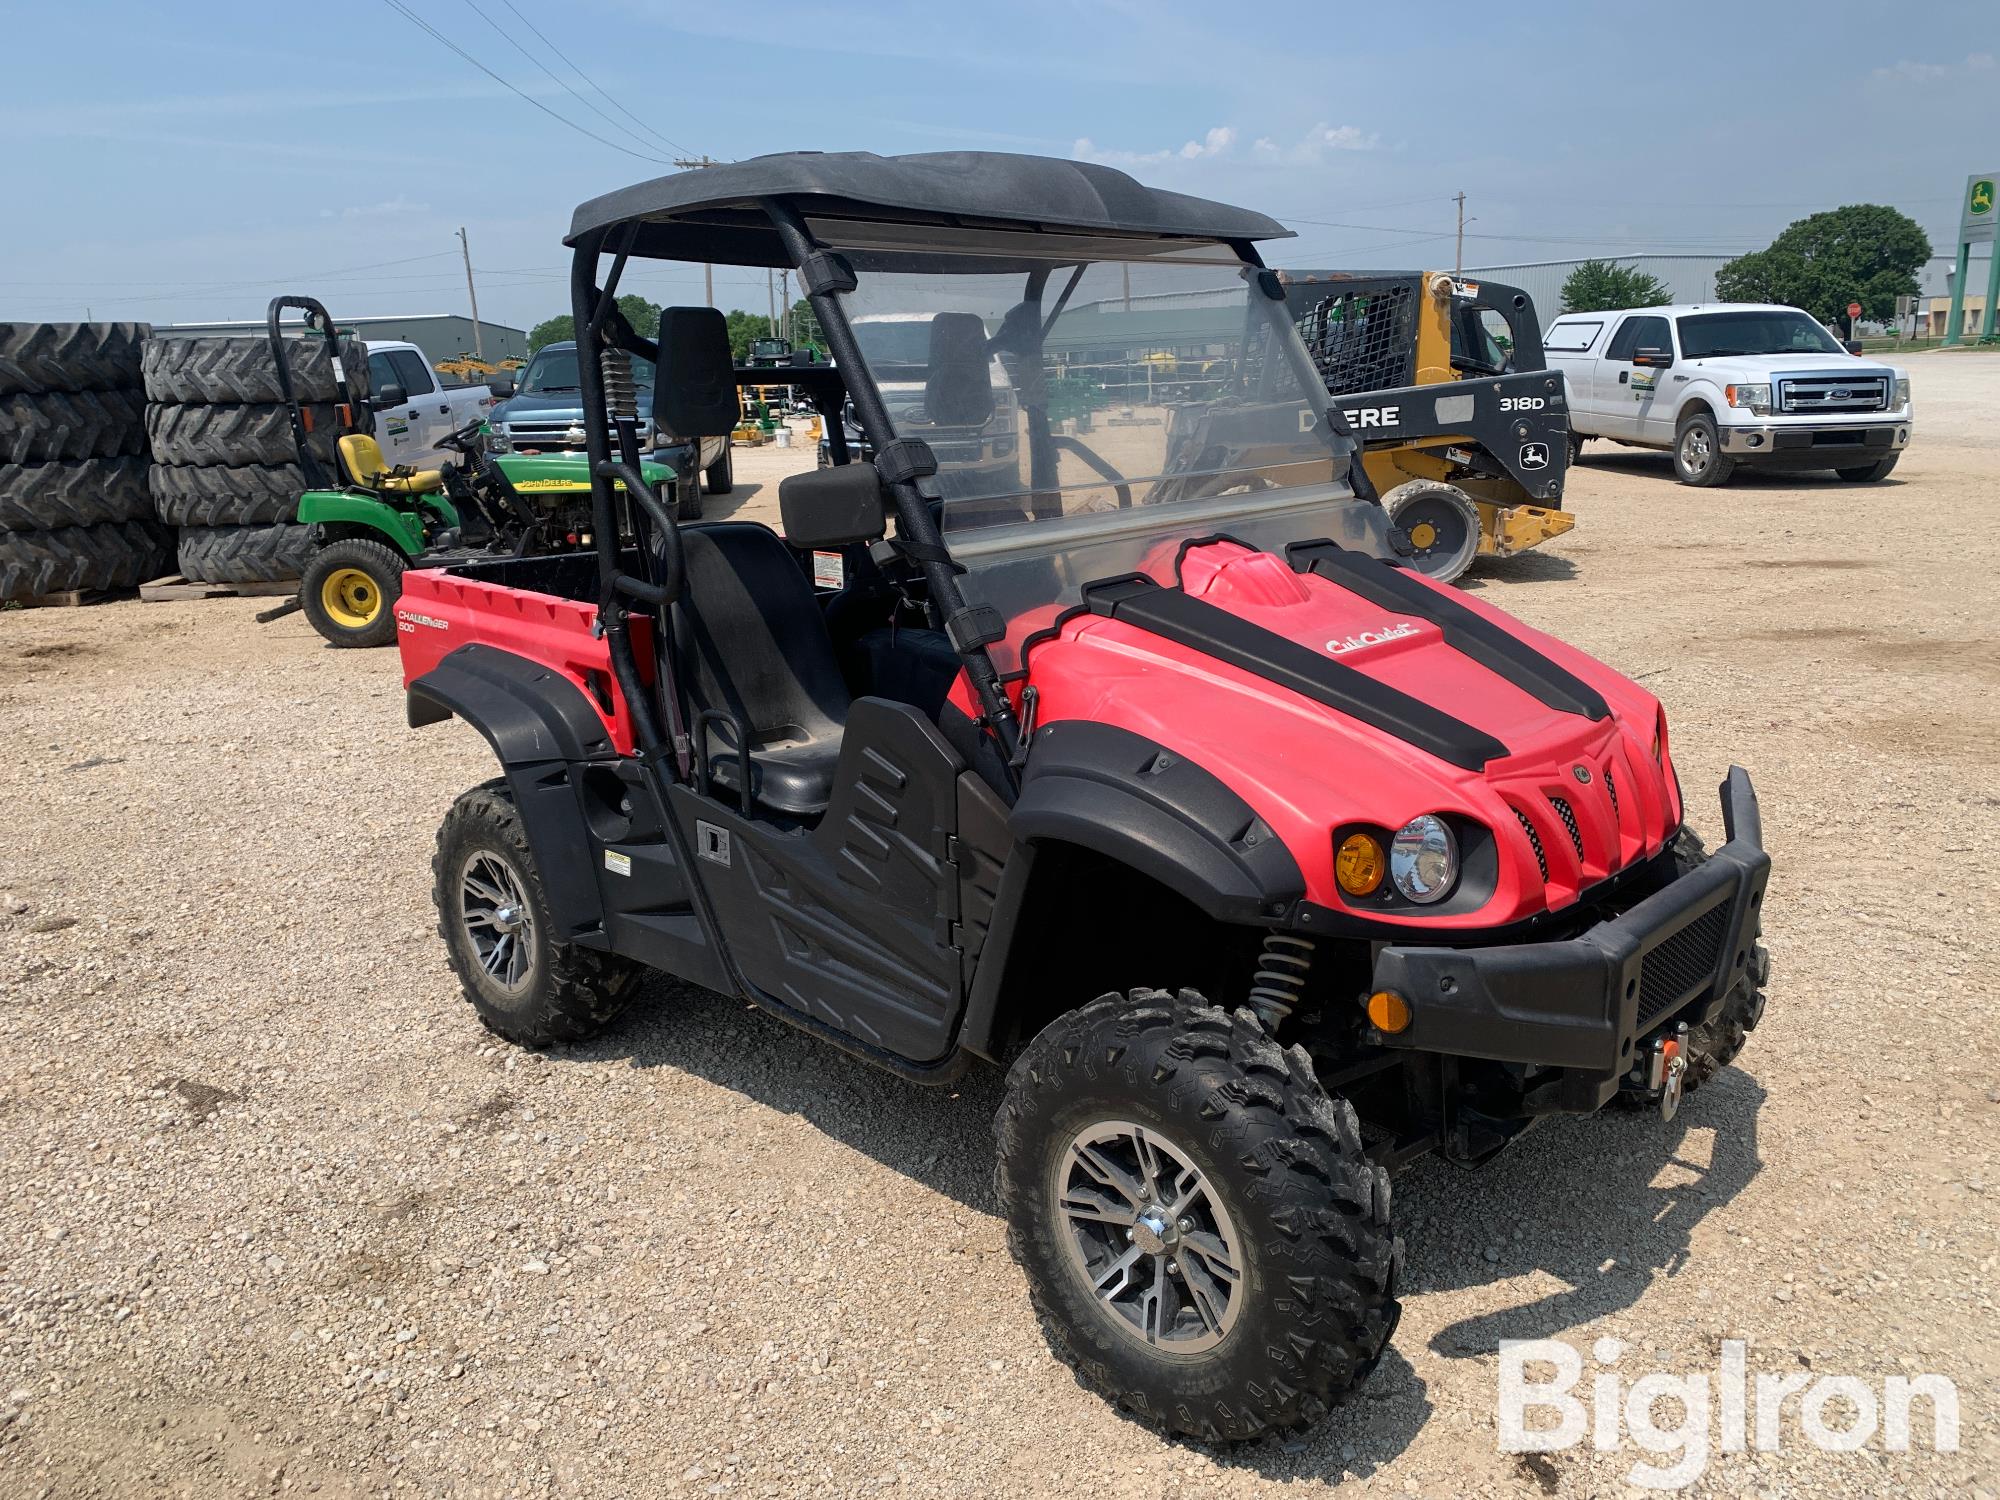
(1854,309)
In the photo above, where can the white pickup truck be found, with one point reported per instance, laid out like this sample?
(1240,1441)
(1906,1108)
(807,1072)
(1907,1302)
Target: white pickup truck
(1728,383)
(414,408)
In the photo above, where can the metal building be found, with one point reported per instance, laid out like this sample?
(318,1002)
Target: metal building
(442,336)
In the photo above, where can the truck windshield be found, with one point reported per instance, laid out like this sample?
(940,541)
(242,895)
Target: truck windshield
(1714,335)
(1088,416)
(553,371)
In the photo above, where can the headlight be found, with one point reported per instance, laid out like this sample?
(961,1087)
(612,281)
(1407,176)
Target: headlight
(1756,398)
(497,440)
(1902,390)
(1423,859)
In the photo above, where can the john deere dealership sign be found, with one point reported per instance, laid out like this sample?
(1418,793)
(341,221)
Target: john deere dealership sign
(1976,220)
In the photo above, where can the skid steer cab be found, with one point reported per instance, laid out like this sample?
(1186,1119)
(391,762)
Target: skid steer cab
(371,520)
(1464,427)
(1087,729)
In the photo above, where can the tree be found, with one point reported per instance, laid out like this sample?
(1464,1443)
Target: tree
(1864,253)
(805,327)
(1603,286)
(743,327)
(551,331)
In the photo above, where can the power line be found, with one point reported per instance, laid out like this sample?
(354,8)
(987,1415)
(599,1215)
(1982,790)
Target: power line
(418,21)
(674,145)
(515,43)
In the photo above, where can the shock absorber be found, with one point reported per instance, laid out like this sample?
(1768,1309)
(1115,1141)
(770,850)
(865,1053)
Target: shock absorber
(620,395)
(1280,980)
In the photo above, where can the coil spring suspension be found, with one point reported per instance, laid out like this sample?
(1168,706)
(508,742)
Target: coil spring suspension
(1280,978)
(620,395)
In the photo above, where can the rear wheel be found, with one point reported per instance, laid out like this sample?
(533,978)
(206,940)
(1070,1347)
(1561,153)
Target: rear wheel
(1869,473)
(687,499)
(525,983)
(1698,456)
(1443,525)
(349,592)
(1201,1231)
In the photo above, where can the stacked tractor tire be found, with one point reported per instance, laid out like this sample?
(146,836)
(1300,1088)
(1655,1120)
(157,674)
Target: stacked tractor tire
(75,511)
(225,462)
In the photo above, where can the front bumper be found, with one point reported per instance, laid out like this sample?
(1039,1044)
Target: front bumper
(1834,442)
(1585,1004)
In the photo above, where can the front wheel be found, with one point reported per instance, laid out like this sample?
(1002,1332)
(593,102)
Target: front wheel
(720,476)
(1202,1233)
(526,983)
(1869,473)
(1443,526)
(1698,456)
(349,592)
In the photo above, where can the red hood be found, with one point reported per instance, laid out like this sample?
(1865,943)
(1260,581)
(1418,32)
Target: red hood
(1307,768)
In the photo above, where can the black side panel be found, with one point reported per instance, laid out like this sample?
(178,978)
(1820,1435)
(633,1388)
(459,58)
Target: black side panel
(540,726)
(1201,626)
(849,924)
(1465,632)
(980,852)
(1116,792)
(648,897)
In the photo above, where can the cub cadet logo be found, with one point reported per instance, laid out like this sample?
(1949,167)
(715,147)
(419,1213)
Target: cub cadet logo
(409,620)
(1369,638)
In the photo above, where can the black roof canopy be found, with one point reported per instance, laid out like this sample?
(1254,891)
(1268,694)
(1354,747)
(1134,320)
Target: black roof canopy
(713,215)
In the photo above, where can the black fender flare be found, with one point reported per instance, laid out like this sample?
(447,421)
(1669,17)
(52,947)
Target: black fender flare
(1121,795)
(540,725)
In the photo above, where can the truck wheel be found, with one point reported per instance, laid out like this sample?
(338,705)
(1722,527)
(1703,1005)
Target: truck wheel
(1202,1234)
(349,592)
(688,500)
(720,476)
(526,984)
(1576,442)
(1698,456)
(1443,524)
(1869,473)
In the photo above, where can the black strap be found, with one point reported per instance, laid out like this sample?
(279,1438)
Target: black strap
(826,272)
(905,459)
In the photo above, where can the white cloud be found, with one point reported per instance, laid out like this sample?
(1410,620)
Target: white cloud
(1316,143)
(1924,72)
(1217,142)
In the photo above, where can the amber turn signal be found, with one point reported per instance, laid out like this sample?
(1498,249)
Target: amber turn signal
(1359,864)
(1388,1011)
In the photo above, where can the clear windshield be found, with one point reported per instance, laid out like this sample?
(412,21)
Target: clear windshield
(1711,335)
(553,371)
(1089,417)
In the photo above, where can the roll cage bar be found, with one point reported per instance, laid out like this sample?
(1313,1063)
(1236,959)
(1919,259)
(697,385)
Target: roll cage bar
(613,447)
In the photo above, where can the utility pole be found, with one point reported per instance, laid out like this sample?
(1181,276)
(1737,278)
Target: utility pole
(785,305)
(770,302)
(1458,260)
(707,272)
(464,244)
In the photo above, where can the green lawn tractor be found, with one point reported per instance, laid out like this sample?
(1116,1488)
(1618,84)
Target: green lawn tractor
(371,521)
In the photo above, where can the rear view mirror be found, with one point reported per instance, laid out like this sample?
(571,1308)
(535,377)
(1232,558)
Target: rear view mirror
(391,395)
(958,391)
(832,507)
(501,385)
(1652,359)
(694,389)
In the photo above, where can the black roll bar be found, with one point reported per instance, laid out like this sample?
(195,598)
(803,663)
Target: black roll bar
(320,321)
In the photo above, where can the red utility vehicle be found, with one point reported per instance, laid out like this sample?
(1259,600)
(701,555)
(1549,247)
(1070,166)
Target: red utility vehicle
(1129,758)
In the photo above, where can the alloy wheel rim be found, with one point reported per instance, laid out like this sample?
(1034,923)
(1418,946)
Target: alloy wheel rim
(351,598)
(498,922)
(1694,449)
(1149,1236)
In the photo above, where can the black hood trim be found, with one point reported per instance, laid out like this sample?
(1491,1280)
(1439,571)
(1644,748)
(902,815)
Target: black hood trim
(1177,616)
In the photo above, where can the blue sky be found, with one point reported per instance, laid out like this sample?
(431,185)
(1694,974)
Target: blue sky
(186,162)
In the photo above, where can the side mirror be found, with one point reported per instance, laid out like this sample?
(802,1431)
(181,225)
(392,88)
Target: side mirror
(958,390)
(391,395)
(1852,346)
(500,385)
(826,508)
(694,388)
(1653,359)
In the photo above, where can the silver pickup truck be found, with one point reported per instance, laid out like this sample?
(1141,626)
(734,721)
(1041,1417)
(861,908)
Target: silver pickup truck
(1729,383)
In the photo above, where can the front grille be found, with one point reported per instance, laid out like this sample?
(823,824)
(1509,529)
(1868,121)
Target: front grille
(1568,815)
(1833,393)
(542,434)
(1535,841)
(1683,964)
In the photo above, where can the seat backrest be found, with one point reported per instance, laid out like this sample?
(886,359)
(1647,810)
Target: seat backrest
(363,458)
(753,639)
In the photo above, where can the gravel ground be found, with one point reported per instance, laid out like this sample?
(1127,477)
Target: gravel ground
(279,1217)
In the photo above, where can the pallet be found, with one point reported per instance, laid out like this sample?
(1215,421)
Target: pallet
(176,586)
(69,598)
